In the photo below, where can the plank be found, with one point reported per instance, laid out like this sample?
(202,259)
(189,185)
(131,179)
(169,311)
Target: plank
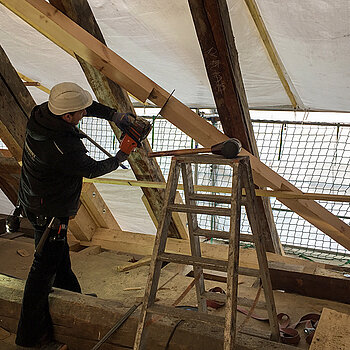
(133,265)
(332,332)
(110,93)
(221,189)
(14,113)
(71,37)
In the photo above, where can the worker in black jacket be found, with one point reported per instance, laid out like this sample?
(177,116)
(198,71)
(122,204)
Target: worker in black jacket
(54,163)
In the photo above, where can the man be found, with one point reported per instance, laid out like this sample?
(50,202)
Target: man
(54,163)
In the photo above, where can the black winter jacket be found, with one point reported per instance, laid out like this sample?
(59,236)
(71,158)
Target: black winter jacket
(55,161)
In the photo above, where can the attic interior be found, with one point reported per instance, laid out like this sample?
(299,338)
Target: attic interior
(190,251)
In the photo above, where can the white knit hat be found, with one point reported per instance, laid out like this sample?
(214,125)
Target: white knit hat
(68,97)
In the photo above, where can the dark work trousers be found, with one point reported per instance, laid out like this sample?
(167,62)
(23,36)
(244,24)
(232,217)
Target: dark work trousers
(51,268)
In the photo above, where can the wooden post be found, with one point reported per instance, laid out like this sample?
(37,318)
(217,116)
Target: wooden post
(215,36)
(16,104)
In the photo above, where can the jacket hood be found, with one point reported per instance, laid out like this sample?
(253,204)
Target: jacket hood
(44,125)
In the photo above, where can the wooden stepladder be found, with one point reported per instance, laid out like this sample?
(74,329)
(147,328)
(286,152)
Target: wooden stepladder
(241,178)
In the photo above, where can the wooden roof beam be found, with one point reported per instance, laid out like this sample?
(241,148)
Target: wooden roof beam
(215,36)
(52,23)
(30,82)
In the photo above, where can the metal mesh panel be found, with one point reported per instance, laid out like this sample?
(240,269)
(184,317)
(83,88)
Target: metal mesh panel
(314,157)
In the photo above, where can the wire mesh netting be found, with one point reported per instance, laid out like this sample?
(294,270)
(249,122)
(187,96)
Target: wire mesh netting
(314,157)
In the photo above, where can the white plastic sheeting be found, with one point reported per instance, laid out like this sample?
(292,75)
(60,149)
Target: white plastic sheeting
(158,37)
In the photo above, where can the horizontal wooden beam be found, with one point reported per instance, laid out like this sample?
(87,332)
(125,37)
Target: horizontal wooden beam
(314,279)
(220,189)
(68,35)
(79,321)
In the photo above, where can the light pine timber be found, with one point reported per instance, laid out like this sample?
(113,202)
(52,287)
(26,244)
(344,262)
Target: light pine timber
(71,37)
(332,332)
(221,189)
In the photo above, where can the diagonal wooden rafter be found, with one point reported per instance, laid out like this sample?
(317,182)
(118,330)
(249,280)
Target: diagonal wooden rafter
(45,89)
(274,57)
(52,23)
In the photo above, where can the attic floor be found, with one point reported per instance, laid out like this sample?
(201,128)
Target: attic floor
(96,271)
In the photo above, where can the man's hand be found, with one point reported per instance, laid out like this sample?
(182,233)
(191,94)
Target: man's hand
(123,120)
(121,156)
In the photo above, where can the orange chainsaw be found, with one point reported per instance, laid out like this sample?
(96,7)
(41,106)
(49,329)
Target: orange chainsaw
(134,132)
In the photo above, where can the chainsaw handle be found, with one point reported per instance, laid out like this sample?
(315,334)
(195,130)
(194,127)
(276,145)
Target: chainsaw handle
(179,152)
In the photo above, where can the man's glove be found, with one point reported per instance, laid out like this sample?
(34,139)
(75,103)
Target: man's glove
(123,120)
(121,156)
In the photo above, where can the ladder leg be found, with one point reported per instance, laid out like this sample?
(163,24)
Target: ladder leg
(251,205)
(187,179)
(233,260)
(159,247)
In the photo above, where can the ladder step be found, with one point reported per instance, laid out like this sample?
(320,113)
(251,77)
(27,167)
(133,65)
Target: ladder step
(211,233)
(205,263)
(199,209)
(214,198)
(210,198)
(220,234)
(187,315)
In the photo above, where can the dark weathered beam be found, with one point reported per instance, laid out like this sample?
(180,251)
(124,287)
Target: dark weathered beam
(111,94)
(80,321)
(9,179)
(214,32)
(15,106)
